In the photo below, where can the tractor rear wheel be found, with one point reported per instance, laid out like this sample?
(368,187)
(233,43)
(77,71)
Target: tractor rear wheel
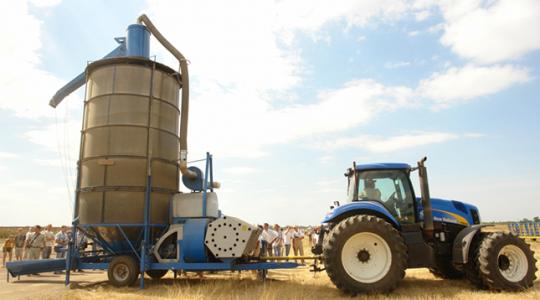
(365,254)
(445,269)
(506,263)
(123,271)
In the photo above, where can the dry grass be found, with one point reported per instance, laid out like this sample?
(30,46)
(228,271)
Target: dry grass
(298,284)
(282,284)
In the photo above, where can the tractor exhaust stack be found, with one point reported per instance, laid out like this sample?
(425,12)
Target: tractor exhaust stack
(426,199)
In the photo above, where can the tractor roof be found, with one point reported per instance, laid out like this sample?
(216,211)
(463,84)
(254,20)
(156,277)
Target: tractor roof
(382,166)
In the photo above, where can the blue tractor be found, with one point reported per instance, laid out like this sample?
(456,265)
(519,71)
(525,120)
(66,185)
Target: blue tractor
(383,229)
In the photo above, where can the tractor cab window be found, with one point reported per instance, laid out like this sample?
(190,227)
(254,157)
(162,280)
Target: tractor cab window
(391,188)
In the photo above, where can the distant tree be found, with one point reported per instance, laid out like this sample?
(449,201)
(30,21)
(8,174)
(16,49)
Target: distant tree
(536,219)
(525,220)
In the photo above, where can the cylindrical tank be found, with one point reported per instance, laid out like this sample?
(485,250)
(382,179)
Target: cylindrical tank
(130,130)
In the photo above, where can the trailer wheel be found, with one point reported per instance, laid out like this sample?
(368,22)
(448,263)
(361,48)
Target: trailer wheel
(156,274)
(445,269)
(123,271)
(506,263)
(365,254)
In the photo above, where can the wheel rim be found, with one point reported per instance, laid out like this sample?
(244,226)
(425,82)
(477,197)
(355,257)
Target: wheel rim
(121,272)
(512,263)
(366,257)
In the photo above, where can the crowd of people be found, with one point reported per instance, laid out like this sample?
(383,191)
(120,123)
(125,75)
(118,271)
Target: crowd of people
(40,243)
(278,241)
(36,243)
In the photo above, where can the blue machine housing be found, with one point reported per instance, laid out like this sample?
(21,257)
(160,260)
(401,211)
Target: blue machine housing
(138,41)
(450,211)
(193,243)
(372,207)
(447,211)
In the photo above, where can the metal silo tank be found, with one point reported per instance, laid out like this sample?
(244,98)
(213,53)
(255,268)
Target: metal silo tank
(130,130)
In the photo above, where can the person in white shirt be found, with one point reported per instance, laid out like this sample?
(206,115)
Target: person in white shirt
(49,242)
(268,237)
(61,238)
(314,238)
(287,239)
(27,244)
(278,241)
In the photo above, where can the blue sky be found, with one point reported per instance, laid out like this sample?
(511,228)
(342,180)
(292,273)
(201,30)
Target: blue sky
(286,94)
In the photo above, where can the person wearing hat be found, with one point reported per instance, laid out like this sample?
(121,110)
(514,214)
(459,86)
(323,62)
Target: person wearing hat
(35,243)
(370,191)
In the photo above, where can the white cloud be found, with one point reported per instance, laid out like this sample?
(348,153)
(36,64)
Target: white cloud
(26,89)
(239,170)
(60,138)
(61,141)
(311,16)
(50,162)
(45,3)
(326,159)
(242,128)
(378,144)
(460,84)
(398,64)
(491,31)
(34,202)
(422,15)
(8,155)
(413,33)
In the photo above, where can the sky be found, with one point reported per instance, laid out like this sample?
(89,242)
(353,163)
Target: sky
(287,94)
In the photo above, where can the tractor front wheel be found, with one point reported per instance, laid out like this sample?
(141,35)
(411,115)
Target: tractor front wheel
(365,254)
(506,263)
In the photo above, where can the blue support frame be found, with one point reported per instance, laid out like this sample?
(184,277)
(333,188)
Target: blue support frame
(95,261)
(146,240)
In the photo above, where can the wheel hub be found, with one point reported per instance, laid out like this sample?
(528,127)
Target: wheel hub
(504,262)
(512,263)
(366,257)
(363,256)
(121,272)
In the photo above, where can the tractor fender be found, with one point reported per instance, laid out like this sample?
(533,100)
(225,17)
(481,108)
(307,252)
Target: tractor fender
(462,243)
(360,207)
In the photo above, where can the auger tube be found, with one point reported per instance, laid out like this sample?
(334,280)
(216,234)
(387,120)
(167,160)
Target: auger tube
(184,111)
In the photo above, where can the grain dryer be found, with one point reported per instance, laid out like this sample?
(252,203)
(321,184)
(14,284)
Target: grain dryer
(133,155)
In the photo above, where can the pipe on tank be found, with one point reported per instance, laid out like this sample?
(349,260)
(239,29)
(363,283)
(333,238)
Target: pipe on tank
(79,81)
(143,19)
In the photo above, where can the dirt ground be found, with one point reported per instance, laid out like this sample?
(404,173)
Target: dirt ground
(281,284)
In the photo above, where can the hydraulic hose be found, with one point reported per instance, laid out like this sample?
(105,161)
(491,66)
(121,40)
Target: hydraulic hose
(183,69)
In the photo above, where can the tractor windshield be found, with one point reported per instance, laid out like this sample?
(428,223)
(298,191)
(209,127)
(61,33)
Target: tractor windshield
(389,187)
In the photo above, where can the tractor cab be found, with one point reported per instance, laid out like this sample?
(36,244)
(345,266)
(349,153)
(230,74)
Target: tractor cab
(386,184)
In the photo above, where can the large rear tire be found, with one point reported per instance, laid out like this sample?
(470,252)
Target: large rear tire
(123,271)
(365,254)
(472,267)
(506,263)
